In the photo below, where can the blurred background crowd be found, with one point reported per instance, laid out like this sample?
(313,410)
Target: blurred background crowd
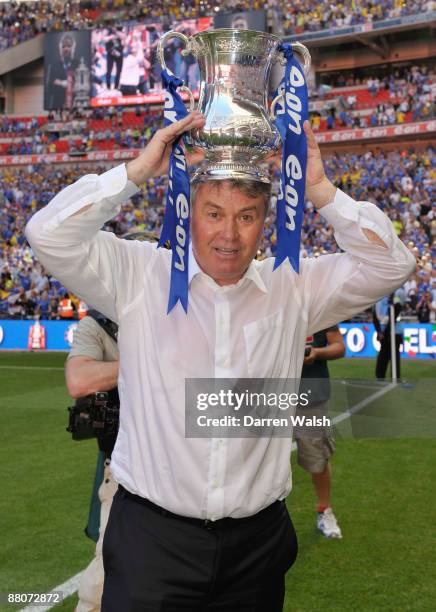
(403,96)
(401,183)
(399,179)
(21,21)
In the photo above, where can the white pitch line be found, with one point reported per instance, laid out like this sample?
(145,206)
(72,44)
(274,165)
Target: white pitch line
(71,586)
(347,413)
(66,588)
(362,404)
(12,367)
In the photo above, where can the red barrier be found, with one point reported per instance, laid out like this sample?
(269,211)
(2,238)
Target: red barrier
(389,131)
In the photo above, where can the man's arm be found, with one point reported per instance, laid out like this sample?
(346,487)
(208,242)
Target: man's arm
(89,262)
(85,375)
(375,262)
(104,271)
(86,370)
(319,190)
(335,348)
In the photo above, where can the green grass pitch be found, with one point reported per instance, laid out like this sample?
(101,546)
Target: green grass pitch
(383,496)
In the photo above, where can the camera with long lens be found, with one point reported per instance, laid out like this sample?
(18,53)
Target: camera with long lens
(95,416)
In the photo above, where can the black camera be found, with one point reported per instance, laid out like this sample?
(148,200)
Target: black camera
(95,416)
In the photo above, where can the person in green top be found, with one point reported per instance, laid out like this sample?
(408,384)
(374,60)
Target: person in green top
(314,453)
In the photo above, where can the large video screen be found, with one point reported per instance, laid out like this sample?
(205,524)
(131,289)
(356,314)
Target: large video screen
(67,70)
(245,20)
(125,66)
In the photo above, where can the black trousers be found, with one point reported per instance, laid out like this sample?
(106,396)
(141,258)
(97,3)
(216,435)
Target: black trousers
(384,355)
(158,563)
(118,61)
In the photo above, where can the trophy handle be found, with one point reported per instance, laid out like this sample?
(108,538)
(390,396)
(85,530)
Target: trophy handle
(300,50)
(303,52)
(186,51)
(272,110)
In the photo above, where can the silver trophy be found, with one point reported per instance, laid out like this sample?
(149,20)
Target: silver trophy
(235,68)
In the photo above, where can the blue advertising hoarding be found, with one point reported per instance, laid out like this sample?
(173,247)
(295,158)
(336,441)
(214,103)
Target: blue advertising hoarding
(419,339)
(49,335)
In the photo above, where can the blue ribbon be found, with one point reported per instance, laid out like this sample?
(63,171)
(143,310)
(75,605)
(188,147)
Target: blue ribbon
(291,113)
(177,218)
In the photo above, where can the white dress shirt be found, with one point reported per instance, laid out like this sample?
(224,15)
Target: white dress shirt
(255,328)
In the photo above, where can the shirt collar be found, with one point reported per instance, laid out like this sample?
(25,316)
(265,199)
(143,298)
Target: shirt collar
(251,274)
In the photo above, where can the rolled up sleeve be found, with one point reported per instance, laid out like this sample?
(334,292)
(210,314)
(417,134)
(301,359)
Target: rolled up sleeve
(89,262)
(343,284)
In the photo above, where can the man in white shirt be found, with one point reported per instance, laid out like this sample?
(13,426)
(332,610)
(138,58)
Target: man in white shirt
(199,524)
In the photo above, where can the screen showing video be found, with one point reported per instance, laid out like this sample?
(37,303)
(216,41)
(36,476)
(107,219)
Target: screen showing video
(67,70)
(125,65)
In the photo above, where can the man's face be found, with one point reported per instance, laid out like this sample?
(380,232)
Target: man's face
(226,230)
(67,49)
(239,23)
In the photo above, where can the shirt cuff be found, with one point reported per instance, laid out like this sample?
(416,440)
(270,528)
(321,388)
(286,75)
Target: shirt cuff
(115,181)
(112,186)
(342,211)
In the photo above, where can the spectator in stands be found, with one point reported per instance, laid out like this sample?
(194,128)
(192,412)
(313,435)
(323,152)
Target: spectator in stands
(424,308)
(43,306)
(53,311)
(22,21)
(331,120)
(66,307)
(405,182)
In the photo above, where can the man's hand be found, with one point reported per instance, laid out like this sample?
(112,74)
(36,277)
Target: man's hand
(85,375)
(311,357)
(154,159)
(319,190)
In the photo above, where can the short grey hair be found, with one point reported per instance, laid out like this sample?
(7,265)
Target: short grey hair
(248,187)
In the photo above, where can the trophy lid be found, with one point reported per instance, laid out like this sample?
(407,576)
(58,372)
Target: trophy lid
(229,172)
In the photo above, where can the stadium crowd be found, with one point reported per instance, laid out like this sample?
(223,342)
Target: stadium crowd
(24,20)
(400,95)
(401,183)
(105,128)
(77,134)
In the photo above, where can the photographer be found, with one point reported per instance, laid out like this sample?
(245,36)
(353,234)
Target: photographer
(92,366)
(424,308)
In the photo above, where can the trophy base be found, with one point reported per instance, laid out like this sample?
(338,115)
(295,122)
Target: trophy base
(229,171)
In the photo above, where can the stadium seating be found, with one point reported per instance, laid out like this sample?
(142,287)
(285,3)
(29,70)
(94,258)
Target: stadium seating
(367,110)
(400,182)
(20,22)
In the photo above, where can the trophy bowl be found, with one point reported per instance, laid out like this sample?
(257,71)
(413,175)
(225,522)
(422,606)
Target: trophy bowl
(239,131)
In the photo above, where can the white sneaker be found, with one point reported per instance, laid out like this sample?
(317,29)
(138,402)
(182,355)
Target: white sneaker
(327,524)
